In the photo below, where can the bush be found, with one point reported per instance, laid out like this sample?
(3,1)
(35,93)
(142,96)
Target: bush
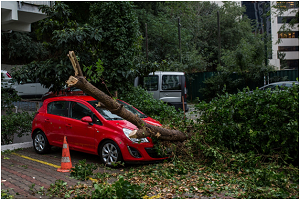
(82,170)
(121,189)
(262,122)
(142,100)
(8,96)
(12,123)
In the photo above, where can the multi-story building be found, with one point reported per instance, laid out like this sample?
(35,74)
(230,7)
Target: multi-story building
(285,44)
(285,41)
(18,15)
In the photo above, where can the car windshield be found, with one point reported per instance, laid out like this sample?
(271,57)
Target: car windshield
(133,110)
(110,116)
(105,113)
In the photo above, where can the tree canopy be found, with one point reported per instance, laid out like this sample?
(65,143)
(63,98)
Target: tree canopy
(109,39)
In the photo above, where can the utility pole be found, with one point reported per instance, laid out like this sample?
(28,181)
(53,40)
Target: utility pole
(146,42)
(179,37)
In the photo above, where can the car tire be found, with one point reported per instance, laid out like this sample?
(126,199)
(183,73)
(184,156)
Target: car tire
(110,153)
(40,143)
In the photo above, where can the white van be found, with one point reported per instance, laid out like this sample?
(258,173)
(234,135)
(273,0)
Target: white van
(169,87)
(30,89)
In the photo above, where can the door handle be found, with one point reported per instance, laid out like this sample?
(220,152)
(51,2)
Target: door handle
(69,125)
(47,120)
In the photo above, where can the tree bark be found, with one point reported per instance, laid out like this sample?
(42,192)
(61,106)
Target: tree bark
(144,129)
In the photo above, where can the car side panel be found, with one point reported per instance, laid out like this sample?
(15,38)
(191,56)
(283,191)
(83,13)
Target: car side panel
(81,135)
(55,129)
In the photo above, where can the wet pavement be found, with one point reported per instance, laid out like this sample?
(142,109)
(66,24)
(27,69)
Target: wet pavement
(23,171)
(24,167)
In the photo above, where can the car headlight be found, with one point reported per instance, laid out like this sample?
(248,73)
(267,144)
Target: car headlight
(140,140)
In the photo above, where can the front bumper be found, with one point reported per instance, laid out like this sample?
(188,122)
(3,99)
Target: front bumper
(143,152)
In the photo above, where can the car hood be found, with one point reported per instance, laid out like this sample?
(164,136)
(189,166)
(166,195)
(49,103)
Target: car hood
(151,121)
(126,124)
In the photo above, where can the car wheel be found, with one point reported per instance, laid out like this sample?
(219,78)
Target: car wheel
(40,143)
(110,153)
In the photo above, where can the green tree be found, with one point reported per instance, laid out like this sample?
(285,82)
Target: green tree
(119,44)
(21,48)
(110,34)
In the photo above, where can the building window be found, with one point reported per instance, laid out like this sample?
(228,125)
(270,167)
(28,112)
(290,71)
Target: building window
(293,64)
(283,20)
(288,4)
(288,48)
(291,34)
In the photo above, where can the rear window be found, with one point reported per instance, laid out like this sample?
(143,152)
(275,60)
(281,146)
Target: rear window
(171,82)
(58,108)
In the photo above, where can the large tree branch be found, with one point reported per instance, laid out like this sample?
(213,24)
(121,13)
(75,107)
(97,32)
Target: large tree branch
(145,130)
(75,63)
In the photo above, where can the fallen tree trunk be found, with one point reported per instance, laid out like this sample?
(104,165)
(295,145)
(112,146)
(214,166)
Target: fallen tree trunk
(144,129)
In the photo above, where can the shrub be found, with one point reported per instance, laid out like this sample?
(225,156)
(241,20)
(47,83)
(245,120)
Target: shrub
(121,189)
(142,100)
(11,123)
(82,170)
(8,96)
(263,122)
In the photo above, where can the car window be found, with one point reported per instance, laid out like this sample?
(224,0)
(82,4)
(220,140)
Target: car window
(150,83)
(105,113)
(58,108)
(171,82)
(78,111)
(272,87)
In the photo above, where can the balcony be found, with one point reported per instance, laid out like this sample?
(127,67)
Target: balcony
(18,15)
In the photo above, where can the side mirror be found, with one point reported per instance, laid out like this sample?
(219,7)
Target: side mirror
(87,119)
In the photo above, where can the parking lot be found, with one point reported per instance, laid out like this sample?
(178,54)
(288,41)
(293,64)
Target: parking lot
(23,168)
(24,172)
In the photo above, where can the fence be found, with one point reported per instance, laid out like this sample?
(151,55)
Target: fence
(27,105)
(195,81)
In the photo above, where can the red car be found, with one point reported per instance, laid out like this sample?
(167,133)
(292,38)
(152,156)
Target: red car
(90,129)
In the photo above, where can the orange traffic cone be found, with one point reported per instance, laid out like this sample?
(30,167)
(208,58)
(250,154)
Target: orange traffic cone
(66,164)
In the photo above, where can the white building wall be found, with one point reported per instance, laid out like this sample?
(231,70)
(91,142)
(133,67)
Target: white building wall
(284,41)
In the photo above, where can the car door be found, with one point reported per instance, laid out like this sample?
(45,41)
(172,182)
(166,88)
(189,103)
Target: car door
(81,135)
(55,128)
(171,90)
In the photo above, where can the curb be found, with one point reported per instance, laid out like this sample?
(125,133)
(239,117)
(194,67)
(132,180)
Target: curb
(16,146)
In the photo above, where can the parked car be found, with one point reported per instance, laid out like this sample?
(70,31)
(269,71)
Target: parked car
(6,79)
(30,88)
(169,87)
(281,85)
(90,129)
(69,91)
